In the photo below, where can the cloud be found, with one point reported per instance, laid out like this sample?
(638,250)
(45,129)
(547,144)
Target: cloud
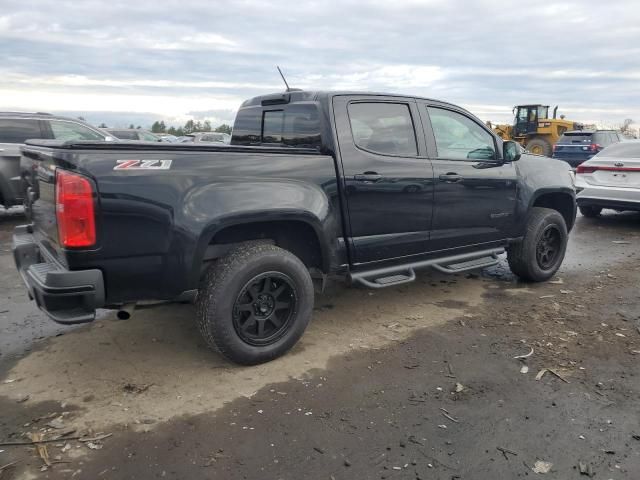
(146,59)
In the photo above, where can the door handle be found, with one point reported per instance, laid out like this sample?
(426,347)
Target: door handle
(367,177)
(451,177)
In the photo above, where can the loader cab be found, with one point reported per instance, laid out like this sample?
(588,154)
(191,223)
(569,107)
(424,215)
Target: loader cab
(527,117)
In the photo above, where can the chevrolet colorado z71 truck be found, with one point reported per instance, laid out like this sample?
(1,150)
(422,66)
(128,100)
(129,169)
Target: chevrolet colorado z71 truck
(366,186)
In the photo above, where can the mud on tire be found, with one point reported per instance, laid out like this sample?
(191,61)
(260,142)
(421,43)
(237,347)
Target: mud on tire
(541,252)
(255,303)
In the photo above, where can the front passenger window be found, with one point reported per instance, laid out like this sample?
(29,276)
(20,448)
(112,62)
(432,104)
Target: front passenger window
(460,138)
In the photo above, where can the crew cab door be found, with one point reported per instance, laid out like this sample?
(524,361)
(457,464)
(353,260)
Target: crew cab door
(386,177)
(475,192)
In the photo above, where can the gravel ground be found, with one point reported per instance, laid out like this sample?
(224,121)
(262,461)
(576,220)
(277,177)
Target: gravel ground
(418,381)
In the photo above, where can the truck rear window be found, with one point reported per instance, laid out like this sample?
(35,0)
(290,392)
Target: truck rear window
(295,125)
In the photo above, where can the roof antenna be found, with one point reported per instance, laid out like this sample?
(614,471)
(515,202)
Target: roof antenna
(283,79)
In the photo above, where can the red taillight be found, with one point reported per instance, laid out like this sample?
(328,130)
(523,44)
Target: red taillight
(583,169)
(74,210)
(554,148)
(595,147)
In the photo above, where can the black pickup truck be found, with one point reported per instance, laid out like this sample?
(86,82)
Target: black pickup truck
(364,186)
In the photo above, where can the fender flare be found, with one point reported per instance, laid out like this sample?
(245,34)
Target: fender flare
(213,228)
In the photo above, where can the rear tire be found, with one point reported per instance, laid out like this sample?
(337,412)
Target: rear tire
(540,253)
(539,146)
(590,211)
(255,303)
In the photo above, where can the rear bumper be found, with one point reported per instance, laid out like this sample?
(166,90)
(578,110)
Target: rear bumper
(66,296)
(617,198)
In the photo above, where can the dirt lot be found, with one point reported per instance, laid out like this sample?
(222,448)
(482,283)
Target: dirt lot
(418,381)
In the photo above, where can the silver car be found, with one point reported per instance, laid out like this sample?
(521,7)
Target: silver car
(209,137)
(16,128)
(611,179)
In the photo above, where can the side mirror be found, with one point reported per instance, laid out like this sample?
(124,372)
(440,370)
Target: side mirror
(511,151)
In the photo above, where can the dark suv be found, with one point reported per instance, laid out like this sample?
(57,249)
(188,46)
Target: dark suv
(16,128)
(577,146)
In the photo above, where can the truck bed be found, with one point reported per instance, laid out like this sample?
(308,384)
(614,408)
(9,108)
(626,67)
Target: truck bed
(154,224)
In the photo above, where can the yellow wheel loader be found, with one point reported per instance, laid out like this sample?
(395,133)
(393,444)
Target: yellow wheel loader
(534,130)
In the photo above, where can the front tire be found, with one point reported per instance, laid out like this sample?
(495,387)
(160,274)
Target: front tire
(255,303)
(540,253)
(590,211)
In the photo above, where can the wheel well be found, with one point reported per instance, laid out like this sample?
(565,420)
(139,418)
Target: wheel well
(295,236)
(561,202)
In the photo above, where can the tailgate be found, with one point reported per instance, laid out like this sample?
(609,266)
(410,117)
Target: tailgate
(577,153)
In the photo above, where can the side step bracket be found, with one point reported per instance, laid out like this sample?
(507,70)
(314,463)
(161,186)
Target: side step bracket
(481,262)
(389,280)
(399,274)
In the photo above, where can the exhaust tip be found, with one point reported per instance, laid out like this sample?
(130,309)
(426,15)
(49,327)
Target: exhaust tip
(126,311)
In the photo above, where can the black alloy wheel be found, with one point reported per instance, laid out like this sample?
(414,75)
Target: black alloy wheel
(548,247)
(264,308)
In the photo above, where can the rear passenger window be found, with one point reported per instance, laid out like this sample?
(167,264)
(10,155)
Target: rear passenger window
(460,138)
(18,130)
(384,128)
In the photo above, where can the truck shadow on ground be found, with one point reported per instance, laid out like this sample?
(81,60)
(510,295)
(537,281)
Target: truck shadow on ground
(156,363)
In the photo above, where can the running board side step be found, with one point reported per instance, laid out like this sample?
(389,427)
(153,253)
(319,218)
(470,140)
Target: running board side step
(399,274)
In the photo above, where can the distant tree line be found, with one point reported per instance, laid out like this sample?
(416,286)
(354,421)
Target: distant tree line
(189,127)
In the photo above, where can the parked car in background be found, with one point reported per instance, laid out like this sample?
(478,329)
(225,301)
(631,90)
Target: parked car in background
(208,137)
(17,127)
(168,138)
(133,134)
(577,146)
(611,179)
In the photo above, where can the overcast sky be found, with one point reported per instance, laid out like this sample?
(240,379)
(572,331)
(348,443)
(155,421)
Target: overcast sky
(138,60)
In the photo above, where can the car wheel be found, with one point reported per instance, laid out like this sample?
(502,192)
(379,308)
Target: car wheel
(590,211)
(255,303)
(540,253)
(539,146)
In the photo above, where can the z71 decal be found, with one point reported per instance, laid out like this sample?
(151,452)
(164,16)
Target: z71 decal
(143,165)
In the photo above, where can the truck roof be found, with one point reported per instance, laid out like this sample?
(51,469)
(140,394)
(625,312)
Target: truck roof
(293,96)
